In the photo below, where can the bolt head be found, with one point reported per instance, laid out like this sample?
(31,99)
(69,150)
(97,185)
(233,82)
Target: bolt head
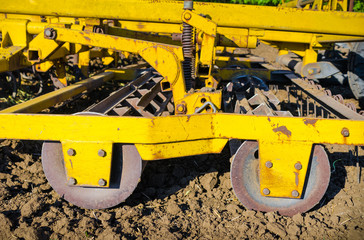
(72,181)
(298,166)
(101,153)
(181,108)
(71,152)
(268,164)
(48,32)
(345,132)
(102,182)
(266,191)
(295,193)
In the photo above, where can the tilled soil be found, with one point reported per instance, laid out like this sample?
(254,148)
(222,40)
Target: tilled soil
(177,198)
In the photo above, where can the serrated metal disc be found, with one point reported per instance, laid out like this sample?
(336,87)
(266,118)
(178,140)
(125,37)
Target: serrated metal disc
(125,175)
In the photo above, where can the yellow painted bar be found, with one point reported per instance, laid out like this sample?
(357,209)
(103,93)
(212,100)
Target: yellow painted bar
(229,15)
(300,37)
(179,128)
(110,42)
(178,149)
(47,100)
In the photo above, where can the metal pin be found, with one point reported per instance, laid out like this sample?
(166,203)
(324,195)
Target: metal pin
(314,108)
(301,104)
(357,162)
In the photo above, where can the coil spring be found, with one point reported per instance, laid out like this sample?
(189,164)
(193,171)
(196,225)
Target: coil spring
(189,59)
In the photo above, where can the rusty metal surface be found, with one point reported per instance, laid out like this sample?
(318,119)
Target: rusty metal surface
(113,100)
(141,97)
(245,182)
(331,104)
(126,172)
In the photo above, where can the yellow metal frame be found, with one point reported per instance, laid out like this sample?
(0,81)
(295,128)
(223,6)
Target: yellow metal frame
(289,29)
(280,138)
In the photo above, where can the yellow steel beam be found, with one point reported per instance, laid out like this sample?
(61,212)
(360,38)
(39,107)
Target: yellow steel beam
(109,41)
(142,35)
(47,100)
(301,37)
(282,141)
(181,128)
(228,15)
(178,149)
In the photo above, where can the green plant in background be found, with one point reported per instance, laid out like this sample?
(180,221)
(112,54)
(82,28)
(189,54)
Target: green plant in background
(250,2)
(358,4)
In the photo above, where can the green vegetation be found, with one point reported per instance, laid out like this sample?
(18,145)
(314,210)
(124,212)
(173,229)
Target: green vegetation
(358,4)
(250,2)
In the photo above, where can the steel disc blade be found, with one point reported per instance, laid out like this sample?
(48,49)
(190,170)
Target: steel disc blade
(125,175)
(245,182)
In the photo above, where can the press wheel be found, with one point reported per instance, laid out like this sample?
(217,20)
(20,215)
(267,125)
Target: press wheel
(125,175)
(245,182)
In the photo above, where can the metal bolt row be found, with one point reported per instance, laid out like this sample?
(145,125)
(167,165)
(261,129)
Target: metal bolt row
(294,193)
(297,166)
(72,152)
(73,181)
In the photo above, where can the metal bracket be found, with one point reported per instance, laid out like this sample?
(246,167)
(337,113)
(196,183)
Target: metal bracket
(87,163)
(283,166)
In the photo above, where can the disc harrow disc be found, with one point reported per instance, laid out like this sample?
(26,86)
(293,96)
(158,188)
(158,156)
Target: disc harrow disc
(125,175)
(245,182)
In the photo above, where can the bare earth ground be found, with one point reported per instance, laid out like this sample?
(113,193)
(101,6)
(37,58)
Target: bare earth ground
(176,199)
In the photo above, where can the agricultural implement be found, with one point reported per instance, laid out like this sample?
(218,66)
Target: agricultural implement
(192,94)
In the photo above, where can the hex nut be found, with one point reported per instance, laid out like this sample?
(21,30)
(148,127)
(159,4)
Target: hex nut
(71,152)
(268,164)
(266,191)
(101,153)
(181,108)
(102,182)
(188,16)
(345,132)
(295,193)
(72,181)
(298,166)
